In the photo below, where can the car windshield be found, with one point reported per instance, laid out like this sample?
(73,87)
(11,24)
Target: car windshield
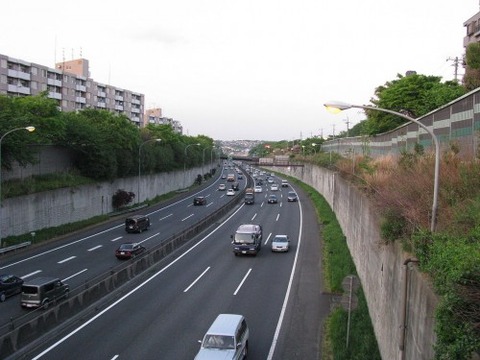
(219,342)
(244,239)
(124,247)
(291,194)
(280,239)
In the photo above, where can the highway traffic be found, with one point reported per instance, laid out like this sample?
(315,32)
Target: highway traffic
(166,314)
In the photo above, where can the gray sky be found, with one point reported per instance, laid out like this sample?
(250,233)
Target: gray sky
(251,69)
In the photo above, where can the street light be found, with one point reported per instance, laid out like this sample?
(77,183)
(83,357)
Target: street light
(29,129)
(185,162)
(335,107)
(140,162)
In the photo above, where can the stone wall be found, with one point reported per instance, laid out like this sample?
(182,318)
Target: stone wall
(25,214)
(392,289)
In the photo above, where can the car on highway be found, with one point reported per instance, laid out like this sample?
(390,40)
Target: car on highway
(230,192)
(129,250)
(222,187)
(227,338)
(9,285)
(292,196)
(280,243)
(137,223)
(272,199)
(199,200)
(257,189)
(274,187)
(284,183)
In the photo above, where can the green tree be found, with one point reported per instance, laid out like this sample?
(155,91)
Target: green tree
(18,112)
(414,95)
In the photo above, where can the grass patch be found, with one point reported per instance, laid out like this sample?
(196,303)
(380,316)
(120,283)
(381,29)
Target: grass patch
(337,263)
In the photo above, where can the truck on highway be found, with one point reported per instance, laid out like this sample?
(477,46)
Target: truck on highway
(249,196)
(247,240)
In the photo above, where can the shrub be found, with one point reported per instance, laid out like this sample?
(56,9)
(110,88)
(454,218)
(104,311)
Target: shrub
(122,198)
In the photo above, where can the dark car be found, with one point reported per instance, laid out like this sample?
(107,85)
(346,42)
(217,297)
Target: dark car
(129,250)
(137,223)
(272,199)
(9,285)
(292,196)
(199,200)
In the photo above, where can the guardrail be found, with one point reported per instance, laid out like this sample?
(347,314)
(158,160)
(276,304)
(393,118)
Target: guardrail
(6,249)
(23,332)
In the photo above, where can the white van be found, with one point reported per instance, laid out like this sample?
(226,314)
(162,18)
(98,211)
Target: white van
(227,338)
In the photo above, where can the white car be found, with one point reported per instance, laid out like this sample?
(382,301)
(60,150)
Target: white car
(230,192)
(274,187)
(222,187)
(257,189)
(281,243)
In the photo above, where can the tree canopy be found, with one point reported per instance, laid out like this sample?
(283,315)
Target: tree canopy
(414,95)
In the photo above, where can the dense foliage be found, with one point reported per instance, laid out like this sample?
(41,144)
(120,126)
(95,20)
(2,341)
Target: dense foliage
(106,145)
(414,95)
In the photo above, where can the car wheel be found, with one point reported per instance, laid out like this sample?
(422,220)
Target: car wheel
(3,297)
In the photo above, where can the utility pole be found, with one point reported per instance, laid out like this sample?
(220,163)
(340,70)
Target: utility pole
(456,63)
(347,121)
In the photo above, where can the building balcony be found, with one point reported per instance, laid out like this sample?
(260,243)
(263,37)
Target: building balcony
(18,74)
(55,95)
(18,89)
(81,88)
(101,94)
(54,82)
(119,107)
(118,97)
(101,105)
(80,100)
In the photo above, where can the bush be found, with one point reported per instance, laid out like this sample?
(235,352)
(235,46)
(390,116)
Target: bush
(122,198)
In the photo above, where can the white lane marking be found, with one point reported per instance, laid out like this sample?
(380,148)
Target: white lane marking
(95,248)
(148,238)
(76,274)
(268,238)
(278,217)
(165,217)
(31,274)
(61,247)
(115,357)
(198,278)
(85,324)
(241,283)
(67,259)
(289,288)
(117,238)
(254,216)
(188,217)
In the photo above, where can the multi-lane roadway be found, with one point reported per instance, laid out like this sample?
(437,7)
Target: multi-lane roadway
(164,316)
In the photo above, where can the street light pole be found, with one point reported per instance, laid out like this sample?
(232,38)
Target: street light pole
(29,129)
(140,162)
(336,107)
(185,163)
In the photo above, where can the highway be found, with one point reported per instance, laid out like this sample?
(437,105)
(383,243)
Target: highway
(164,316)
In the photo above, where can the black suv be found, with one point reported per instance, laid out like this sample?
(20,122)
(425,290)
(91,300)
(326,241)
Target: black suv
(199,200)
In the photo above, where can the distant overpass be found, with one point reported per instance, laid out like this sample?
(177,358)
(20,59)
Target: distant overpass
(252,160)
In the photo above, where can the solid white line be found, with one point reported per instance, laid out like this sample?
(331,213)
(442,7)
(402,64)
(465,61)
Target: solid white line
(198,278)
(53,346)
(67,259)
(76,274)
(95,248)
(241,283)
(289,288)
(31,274)
(187,217)
(117,238)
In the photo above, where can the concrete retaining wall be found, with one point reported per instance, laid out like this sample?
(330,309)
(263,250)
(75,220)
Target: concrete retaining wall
(25,214)
(386,281)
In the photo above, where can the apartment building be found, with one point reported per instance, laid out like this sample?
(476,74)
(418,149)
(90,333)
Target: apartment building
(473,30)
(70,84)
(154,116)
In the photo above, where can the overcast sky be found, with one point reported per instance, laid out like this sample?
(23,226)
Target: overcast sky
(245,69)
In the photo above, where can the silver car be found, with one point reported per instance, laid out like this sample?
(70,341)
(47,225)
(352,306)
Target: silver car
(281,243)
